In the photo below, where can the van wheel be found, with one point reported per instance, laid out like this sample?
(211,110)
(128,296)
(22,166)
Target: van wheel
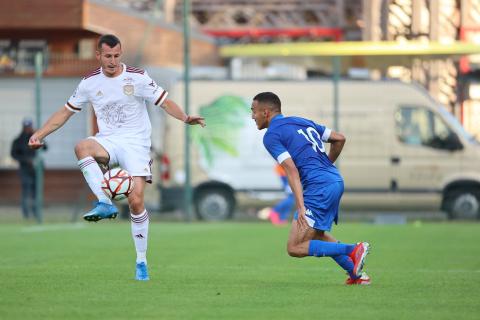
(462,204)
(214,204)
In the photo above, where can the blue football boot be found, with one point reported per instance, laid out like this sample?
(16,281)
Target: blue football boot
(101,211)
(141,272)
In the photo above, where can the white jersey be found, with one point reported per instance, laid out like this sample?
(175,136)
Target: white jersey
(119,103)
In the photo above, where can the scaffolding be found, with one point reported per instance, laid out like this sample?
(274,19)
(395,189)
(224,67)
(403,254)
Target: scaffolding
(442,21)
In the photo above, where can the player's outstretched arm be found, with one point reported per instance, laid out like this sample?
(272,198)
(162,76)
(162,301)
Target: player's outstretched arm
(294,181)
(175,111)
(56,121)
(337,141)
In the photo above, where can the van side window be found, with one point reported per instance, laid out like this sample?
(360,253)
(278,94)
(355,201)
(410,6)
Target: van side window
(422,127)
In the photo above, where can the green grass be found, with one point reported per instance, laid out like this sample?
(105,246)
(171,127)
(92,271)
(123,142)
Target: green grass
(235,271)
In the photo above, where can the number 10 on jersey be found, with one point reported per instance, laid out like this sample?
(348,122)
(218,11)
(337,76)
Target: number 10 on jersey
(316,142)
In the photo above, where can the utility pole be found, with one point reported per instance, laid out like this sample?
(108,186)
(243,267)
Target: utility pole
(39,156)
(186,74)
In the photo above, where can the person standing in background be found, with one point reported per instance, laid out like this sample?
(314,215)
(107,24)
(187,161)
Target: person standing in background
(25,157)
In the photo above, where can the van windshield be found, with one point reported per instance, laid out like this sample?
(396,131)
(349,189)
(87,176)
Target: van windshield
(457,126)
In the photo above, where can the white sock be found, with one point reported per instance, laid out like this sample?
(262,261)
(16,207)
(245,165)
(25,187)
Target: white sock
(94,176)
(140,224)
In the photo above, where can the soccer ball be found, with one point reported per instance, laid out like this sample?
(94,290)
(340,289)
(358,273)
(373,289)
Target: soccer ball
(117,184)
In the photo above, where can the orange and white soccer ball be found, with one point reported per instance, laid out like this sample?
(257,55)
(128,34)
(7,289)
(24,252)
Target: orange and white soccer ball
(117,183)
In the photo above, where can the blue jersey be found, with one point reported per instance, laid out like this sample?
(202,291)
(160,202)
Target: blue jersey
(302,140)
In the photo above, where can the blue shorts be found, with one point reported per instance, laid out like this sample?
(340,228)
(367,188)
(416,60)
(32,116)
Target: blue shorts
(322,207)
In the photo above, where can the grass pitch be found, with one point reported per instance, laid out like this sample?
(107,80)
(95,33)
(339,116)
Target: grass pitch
(235,271)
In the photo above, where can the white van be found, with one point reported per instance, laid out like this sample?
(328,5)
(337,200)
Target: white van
(403,150)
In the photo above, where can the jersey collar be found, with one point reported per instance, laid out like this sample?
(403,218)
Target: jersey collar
(274,120)
(277,117)
(124,69)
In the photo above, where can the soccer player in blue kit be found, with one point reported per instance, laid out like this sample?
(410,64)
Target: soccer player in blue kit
(298,146)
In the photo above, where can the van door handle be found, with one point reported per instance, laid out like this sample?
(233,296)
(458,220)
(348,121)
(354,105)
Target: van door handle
(395,159)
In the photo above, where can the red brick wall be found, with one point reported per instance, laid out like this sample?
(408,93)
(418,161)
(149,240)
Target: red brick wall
(44,14)
(61,186)
(62,23)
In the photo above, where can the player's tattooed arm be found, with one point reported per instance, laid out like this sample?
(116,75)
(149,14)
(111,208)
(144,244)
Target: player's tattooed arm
(175,111)
(337,141)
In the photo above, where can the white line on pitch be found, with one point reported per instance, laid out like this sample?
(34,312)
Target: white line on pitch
(54,227)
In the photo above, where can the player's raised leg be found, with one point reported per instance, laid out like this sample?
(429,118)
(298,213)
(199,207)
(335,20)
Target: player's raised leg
(88,151)
(347,262)
(301,243)
(344,261)
(140,223)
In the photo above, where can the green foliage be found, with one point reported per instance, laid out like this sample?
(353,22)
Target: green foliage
(225,117)
(235,271)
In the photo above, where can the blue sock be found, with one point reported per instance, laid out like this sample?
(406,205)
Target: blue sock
(320,248)
(346,263)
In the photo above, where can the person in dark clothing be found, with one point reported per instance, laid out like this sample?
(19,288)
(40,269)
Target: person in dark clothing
(25,157)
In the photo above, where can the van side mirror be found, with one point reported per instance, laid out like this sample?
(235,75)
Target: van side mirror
(452,142)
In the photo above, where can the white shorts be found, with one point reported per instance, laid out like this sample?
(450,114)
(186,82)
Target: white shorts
(131,157)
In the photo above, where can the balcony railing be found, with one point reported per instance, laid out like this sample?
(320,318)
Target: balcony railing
(54,64)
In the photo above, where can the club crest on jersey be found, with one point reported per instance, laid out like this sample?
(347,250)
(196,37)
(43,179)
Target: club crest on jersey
(128,89)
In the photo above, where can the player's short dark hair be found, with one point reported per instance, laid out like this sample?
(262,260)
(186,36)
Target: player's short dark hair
(270,99)
(109,39)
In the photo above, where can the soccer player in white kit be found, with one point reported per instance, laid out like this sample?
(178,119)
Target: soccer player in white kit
(118,94)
